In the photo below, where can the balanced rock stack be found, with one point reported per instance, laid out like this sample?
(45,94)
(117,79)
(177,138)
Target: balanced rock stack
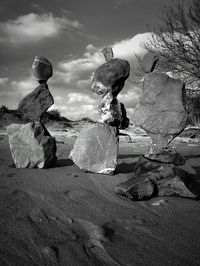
(31,144)
(161,113)
(96,149)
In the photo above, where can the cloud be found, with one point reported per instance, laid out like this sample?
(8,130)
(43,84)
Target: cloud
(34,27)
(3,80)
(71,82)
(119,3)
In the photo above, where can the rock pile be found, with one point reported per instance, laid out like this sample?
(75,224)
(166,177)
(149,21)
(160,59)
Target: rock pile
(96,148)
(31,144)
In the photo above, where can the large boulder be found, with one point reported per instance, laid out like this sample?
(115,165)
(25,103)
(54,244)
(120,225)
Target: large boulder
(42,69)
(33,105)
(110,77)
(31,145)
(96,149)
(161,112)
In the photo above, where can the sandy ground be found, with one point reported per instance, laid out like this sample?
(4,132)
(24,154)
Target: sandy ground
(63,216)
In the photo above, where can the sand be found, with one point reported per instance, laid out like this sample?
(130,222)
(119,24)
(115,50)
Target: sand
(63,216)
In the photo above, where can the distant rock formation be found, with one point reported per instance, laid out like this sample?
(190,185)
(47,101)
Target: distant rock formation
(31,144)
(96,149)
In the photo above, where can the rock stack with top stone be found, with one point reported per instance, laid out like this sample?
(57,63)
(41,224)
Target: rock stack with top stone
(31,144)
(96,149)
(161,113)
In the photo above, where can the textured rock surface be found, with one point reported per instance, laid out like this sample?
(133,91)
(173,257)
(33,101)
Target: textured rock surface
(110,77)
(110,110)
(108,53)
(42,69)
(149,61)
(165,155)
(33,105)
(31,145)
(157,179)
(96,149)
(161,112)
(136,189)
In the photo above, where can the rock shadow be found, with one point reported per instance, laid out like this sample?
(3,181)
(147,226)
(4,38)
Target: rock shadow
(125,168)
(63,163)
(124,156)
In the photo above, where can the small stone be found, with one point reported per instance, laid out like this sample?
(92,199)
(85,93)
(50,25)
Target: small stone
(33,105)
(159,202)
(110,77)
(42,69)
(165,155)
(136,188)
(149,61)
(110,110)
(96,149)
(31,145)
(108,53)
(125,120)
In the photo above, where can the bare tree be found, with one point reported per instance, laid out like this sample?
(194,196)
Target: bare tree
(177,40)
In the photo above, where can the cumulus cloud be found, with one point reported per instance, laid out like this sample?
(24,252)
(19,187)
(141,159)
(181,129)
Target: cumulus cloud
(34,27)
(71,82)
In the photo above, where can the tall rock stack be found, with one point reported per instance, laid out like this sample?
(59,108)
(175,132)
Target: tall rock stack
(31,144)
(96,149)
(161,113)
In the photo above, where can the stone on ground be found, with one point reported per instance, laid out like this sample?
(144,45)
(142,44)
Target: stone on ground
(33,105)
(160,111)
(110,77)
(165,155)
(152,179)
(96,149)
(31,145)
(136,189)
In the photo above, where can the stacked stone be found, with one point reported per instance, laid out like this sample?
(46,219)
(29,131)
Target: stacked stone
(96,149)
(31,144)
(161,113)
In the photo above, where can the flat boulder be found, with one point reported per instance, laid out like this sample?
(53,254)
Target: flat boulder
(96,149)
(33,105)
(31,145)
(160,111)
(110,77)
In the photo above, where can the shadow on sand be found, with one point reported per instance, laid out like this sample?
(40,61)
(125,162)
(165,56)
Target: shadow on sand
(63,163)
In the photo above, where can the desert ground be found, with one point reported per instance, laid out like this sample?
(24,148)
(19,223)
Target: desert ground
(64,216)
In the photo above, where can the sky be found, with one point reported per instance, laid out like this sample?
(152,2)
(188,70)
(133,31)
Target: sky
(71,34)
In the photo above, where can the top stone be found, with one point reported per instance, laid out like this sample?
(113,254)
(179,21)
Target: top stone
(110,77)
(149,61)
(108,53)
(42,69)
